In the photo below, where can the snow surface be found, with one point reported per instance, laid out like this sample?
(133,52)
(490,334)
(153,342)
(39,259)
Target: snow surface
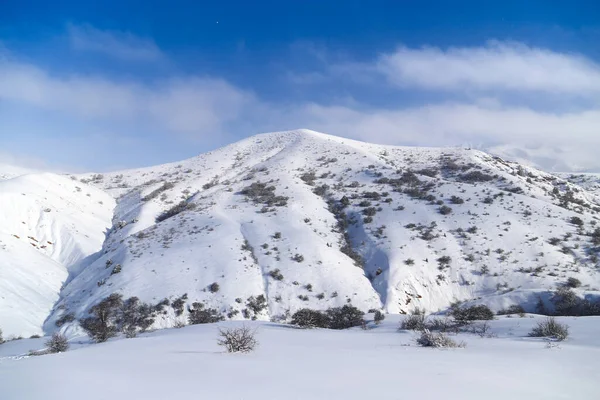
(291,363)
(49,225)
(507,238)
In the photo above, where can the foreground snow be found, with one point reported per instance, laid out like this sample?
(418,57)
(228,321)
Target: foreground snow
(381,363)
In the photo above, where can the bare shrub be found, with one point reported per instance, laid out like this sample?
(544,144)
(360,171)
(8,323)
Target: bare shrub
(482,329)
(237,340)
(414,322)
(437,339)
(58,343)
(550,328)
(378,317)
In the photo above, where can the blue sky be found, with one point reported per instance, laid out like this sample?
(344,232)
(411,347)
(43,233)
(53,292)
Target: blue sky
(132,83)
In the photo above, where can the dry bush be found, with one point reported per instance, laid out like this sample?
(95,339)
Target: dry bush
(550,328)
(238,340)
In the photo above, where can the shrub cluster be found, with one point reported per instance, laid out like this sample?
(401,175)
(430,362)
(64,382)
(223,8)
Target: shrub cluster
(473,313)
(113,315)
(200,315)
(566,302)
(176,209)
(343,317)
(261,193)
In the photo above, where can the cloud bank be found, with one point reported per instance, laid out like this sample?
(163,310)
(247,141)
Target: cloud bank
(200,107)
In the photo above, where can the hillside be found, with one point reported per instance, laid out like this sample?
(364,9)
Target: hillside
(49,225)
(305,219)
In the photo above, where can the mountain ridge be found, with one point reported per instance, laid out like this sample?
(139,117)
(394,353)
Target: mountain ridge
(289,216)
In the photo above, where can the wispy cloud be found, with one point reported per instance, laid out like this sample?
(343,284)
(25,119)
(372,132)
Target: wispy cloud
(117,44)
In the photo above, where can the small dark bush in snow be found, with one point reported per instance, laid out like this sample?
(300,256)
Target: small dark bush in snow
(550,328)
(176,209)
(445,210)
(101,326)
(576,221)
(345,317)
(69,317)
(473,313)
(276,274)
(200,315)
(135,316)
(178,304)
(456,200)
(307,318)
(1,338)
(257,304)
(378,317)
(513,309)
(237,340)
(414,322)
(57,343)
(573,282)
(213,287)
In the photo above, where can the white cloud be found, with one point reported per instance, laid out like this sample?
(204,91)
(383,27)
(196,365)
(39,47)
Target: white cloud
(496,66)
(121,45)
(190,105)
(206,108)
(573,135)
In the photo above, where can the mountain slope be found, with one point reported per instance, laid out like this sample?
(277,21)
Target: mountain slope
(49,224)
(305,219)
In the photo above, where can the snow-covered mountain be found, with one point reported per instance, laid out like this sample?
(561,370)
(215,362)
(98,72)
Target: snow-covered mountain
(302,219)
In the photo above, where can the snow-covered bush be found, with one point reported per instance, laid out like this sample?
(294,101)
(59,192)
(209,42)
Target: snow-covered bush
(101,325)
(58,343)
(436,339)
(113,315)
(135,316)
(473,313)
(307,318)
(445,210)
(344,317)
(200,315)
(238,339)
(414,322)
(178,303)
(550,328)
(257,304)
(176,209)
